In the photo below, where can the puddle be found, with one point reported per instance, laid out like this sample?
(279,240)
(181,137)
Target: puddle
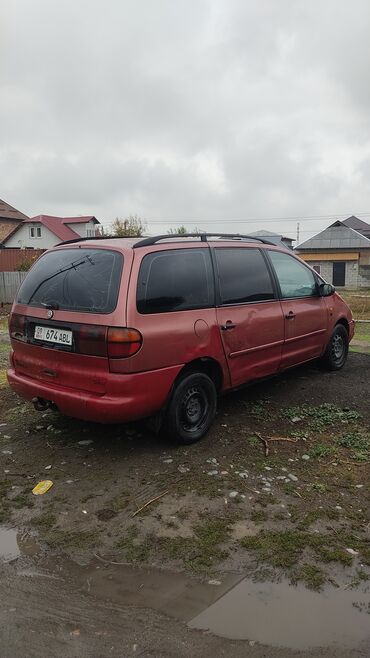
(279,614)
(276,614)
(13,544)
(9,549)
(171,593)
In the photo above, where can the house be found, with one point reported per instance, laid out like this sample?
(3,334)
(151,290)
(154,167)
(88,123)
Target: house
(340,253)
(276,238)
(10,218)
(45,231)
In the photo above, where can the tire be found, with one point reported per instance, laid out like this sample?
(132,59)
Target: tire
(192,408)
(337,349)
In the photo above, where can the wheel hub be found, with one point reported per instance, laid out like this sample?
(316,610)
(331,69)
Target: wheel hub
(338,346)
(194,408)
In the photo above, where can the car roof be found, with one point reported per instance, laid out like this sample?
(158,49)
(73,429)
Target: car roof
(136,242)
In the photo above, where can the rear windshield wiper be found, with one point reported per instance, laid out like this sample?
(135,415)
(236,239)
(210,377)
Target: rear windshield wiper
(72,266)
(51,305)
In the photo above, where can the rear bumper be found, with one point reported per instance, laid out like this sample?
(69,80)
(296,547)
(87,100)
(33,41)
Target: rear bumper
(351,329)
(128,397)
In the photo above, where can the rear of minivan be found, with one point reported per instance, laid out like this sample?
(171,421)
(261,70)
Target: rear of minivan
(69,334)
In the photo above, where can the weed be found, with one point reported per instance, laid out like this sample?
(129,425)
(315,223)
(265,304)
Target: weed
(258,516)
(72,540)
(200,552)
(134,550)
(358,442)
(312,576)
(321,450)
(318,418)
(314,515)
(320,487)
(22,500)
(282,549)
(45,521)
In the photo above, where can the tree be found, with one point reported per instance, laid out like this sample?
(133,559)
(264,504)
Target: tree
(182,230)
(129,227)
(25,264)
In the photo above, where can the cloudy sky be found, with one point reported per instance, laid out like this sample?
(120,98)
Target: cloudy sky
(222,114)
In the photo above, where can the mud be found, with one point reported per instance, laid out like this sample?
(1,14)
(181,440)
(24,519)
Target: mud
(52,606)
(61,593)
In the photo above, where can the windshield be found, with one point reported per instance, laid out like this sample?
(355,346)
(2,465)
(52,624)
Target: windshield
(84,280)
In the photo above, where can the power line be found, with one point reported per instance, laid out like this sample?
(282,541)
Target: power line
(251,220)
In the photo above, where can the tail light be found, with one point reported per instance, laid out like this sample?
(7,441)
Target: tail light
(92,340)
(114,342)
(123,342)
(17,324)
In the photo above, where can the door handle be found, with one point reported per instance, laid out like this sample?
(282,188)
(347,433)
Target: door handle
(228,325)
(290,315)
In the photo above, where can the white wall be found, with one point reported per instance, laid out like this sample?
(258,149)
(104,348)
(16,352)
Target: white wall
(23,239)
(81,229)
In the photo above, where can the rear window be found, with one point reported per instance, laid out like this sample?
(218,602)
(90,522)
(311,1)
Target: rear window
(175,280)
(84,280)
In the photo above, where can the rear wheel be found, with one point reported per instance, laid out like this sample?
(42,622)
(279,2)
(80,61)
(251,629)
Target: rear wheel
(337,350)
(192,408)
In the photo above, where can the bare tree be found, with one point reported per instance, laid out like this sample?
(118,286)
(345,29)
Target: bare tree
(181,230)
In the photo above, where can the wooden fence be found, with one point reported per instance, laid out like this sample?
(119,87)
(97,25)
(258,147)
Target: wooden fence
(11,259)
(9,284)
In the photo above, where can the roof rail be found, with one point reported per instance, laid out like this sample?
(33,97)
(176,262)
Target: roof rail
(99,237)
(146,242)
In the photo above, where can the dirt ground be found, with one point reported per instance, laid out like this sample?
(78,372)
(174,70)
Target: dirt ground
(220,507)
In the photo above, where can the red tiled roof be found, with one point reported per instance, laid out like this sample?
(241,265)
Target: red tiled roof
(59,225)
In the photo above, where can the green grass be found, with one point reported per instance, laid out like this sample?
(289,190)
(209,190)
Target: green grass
(359,444)
(282,549)
(362,332)
(305,521)
(198,553)
(313,577)
(320,450)
(134,550)
(319,418)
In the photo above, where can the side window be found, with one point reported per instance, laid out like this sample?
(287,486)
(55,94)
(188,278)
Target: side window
(243,276)
(175,280)
(295,279)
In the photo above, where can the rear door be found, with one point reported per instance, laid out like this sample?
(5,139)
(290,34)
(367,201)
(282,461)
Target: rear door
(171,302)
(249,313)
(60,318)
(305,315)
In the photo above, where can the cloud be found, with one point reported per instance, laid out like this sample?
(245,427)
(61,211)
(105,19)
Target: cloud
(202,111)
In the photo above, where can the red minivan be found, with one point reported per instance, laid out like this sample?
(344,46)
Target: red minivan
(116,329)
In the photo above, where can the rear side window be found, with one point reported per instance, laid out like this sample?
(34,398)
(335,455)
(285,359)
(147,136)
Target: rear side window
(84,280)
(295,279)
(243,276)
(175,280)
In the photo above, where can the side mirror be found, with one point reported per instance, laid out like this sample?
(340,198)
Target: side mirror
(326,289)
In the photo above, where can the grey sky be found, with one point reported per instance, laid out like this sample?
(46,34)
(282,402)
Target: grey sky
(184,111)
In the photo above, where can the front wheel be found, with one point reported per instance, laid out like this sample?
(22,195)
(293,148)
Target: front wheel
(337,350)
(192,408)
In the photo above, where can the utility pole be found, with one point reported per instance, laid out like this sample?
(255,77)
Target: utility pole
(298,226)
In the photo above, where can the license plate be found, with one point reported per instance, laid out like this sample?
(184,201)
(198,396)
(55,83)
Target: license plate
(51,335)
